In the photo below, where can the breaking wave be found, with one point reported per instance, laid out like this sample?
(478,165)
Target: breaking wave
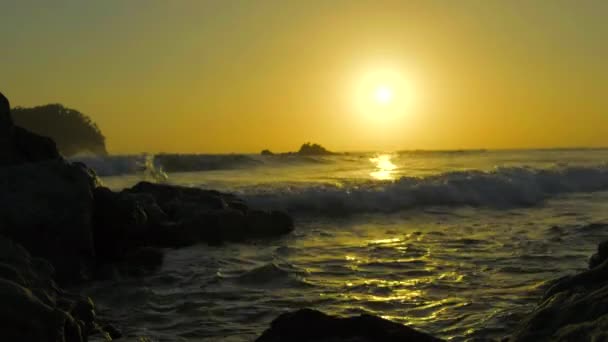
(502,187)
(118,165)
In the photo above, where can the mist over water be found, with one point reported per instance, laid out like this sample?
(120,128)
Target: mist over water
(458,244)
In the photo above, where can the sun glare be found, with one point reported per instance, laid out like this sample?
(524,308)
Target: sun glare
(383,95)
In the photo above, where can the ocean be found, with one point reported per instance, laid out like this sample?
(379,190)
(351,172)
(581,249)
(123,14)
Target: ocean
(459,244)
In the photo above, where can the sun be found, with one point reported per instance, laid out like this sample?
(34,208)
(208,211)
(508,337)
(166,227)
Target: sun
(384,95)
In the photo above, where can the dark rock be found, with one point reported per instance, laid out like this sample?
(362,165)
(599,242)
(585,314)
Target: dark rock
(269,224)
(180,202)
(32,307)
(142,261)
(217,226)
(309,149)
(112,331)
(47,207)
(6,120)
(308,325)
(118,224)
(206,216)
(306,149)
(601,255)
(30,147)
(18,145)
(575,308)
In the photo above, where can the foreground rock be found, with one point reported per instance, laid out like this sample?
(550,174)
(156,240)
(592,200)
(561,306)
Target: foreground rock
(308,325)
(47,207)
(33,308)
(575,308)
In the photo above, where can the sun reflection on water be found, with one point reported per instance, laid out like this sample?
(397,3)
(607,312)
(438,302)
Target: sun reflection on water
(385,168)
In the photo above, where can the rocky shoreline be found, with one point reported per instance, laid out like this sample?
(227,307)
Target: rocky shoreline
(59,226)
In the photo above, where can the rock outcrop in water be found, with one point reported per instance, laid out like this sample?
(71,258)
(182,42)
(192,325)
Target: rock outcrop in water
(307,149)
(76,229)
(575,308)
(308,325)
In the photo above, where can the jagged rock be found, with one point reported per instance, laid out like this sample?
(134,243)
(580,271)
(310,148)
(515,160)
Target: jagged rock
(32,307)
(308,325)
(47,207)
(309,149)
(180,201)
(306,149)
(575,308)
(208,216)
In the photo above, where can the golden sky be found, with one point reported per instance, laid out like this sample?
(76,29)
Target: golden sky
(240,76)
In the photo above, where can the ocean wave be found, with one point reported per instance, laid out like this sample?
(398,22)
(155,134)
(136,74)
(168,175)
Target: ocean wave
(117,165)
(502,187)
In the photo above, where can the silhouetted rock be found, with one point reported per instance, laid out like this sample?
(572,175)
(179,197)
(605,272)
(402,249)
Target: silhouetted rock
(6,120)
(575,308)
(18,145)
(306,149)
(47,207)
(308,325)
(601,255)
(208,216)
(309,149)
(32,307)
(73,131)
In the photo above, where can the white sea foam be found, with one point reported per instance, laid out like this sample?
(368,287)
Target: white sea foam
(502,187)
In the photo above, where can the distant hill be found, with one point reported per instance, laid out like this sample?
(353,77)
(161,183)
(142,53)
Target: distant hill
(73,131)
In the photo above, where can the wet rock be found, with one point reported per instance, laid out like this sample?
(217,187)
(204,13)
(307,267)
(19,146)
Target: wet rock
(112,331)
(268,224)
(601,255)
(179,201)
(142,261)
(574,308)
(198,215)
(47,207)
(32,307)
(308,325)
